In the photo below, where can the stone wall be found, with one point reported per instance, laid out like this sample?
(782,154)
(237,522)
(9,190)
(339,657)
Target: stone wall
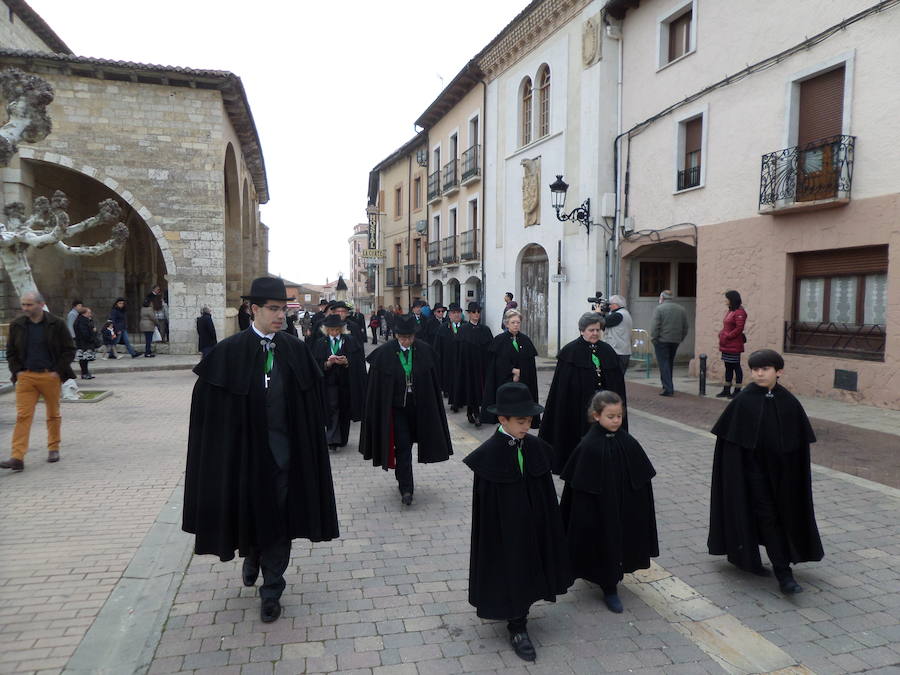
(14,32)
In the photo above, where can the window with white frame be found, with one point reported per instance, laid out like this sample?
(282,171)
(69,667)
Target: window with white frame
(543,80)
(677,32)
(690,153)
(525,97)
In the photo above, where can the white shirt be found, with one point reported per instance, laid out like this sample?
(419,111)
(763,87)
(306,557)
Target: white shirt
(256,330)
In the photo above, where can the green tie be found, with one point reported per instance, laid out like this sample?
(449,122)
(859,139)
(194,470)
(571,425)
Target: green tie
(455,328)
(270,359)
(335,346)
(516,344)
(518,451)
(406,362)
(596,361)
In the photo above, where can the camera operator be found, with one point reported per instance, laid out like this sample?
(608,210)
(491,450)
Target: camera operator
(617,333)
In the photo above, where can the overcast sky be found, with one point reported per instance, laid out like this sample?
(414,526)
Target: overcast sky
(334,88)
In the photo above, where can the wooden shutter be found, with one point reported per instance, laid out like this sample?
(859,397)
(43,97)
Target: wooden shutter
(693,139)
(821,107)
(680,36)
(868,260)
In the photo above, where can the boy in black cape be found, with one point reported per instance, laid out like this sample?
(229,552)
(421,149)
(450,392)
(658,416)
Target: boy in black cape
(518,553)
(583,367)
(468,389)
(446,345)
(404,406)
(761,481)
(258,473)
(510,359)
(342,359)
(607,504)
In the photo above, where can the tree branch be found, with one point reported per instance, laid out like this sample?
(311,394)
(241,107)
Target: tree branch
(108,213)
(27,99)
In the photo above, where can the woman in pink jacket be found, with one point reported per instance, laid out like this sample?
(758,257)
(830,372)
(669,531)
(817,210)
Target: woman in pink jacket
(731,344)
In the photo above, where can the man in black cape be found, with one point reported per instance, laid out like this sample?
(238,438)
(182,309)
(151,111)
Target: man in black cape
(317,319)
(510,351)
(343,361)
(518,553)
(258,473)
(446,345)
(343,311)
(583,367)
(468,389)
(425,326)
(404,406)
(761,481)
(437,319)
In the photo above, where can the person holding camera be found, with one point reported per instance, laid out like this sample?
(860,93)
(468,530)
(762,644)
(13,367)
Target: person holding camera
(617,333)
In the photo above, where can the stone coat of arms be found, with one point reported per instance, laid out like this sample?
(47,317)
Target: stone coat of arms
(531,190)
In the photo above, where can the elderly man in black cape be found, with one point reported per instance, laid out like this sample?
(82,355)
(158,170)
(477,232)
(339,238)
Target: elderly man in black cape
(258,473)
(437,319)
(404,406)
(446,345)
(583,367)
(468,387)
(761,481)
(343,361)
(518,552)
(510,359)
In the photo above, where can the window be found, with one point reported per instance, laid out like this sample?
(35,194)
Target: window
(451,227)
(398,202)
(454,147)
(654,278)
(690,149)
(473,131)
(677,33)
(680,36)
(544,101)
(819,125)
(473,214)
(525,112)
(435,228)
(417,193)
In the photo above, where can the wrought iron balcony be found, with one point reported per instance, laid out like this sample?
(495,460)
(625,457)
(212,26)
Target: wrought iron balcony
(814,175)
(434,254)
(412,276)
(471,167)
(450,177)
(850,341)
(689,178)
(468,245)
(393,277)
(434,185)
(448,249)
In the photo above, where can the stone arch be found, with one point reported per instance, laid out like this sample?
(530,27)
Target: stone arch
(452,292)
(234,282)
(472,291)
(248,258)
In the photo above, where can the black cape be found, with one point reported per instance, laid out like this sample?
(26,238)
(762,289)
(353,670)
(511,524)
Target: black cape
(229,491)
(607,507)
(446,346)
(518,553)
(574,383)
(502,358)
(783,451)
(376,437)
(468,387)
(350,379)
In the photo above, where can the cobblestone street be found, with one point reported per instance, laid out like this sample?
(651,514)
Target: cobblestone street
(92,566)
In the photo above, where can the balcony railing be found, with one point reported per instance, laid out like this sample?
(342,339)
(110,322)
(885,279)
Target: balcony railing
(393,277)
(434,185)
(434,253)
(845,340)
(412,276)
(816,174)
(471,168)
(689,178)
(468,245)
(448,249)
(450,176)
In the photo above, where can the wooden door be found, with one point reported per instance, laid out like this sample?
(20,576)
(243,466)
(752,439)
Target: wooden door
(534,293)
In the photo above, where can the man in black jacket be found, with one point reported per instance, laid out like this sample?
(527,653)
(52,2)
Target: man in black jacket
(206,331)
(39,352)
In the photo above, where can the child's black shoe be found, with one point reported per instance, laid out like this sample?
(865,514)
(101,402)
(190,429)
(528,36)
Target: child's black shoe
(613,603)
(522,646)
(786,581)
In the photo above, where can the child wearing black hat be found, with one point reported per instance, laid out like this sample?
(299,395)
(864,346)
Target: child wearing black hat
(761,482)
(518,554)
(607,503)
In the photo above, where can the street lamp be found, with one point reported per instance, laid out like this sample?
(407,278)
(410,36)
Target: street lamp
(582,213)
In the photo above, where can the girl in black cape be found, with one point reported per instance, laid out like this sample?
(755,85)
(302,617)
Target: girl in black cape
(342,360)
(510,359)
(761,481)
(607,503)
(468,389)
(583,367)
(518,553)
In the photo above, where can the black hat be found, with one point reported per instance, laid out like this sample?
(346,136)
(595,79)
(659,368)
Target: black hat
(419,303)
(340,304)
(405,325)
(322,301)
(267,288)
(333,321)
(514,400)
(473,307)
(454,307)
(437,307)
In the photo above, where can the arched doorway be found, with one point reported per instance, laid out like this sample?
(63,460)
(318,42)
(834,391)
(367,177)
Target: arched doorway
(233,236)
(472,290)
(453,292)
(534,279)
(437,293)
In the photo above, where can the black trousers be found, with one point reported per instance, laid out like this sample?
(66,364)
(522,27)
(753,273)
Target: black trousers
(273,559)
(517,625)
(333,432)
(374,334)
(404,437)
(762,504)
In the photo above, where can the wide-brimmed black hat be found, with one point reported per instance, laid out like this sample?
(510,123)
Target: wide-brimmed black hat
(267,288)
(437,307)
(340,304)
(405,325)
(514,400)
(333,321)
(454,307)
(473,307)
(419,303)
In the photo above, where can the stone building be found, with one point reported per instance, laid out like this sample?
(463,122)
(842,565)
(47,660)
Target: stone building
(176,147)
(361,289)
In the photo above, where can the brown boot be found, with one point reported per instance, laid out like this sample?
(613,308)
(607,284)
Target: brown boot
(13,463)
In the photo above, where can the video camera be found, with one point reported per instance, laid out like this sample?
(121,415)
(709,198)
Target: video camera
(598,304)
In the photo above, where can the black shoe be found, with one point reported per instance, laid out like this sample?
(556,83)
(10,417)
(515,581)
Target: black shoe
(134,356)
(667,393)
(13,463)
(53,456)
(149,356)
(454,409)
(725,393)
(613,603)
(522,646)
(112,356)
(737,390)
(786,582)
(471,418)
(250,571)
(406,498)
(87,377)
(270,610)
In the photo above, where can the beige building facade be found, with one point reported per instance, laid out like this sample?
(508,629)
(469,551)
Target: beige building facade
(359,288)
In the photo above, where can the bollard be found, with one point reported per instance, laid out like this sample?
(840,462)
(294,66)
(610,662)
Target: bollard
(703,375)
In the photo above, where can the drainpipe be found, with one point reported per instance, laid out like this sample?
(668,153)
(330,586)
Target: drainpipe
(483,200)
(617,163)
(408,227)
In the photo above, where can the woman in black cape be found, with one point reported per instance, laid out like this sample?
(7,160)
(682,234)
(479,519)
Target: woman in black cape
(583,367)
(510,359)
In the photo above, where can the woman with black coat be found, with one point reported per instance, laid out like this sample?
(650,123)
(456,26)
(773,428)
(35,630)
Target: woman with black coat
(85,341)
(510,359)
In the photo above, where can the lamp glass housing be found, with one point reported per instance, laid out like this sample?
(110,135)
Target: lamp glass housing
(558,189)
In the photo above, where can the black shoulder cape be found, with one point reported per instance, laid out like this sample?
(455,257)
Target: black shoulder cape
(376,436)
(229,492)
(518,554)
(732,524)
(352,378)
(502,358)
(468,388)
(607,507)
(574,383)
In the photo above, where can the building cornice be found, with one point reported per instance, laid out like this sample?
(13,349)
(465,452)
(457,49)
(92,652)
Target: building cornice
(453,93)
